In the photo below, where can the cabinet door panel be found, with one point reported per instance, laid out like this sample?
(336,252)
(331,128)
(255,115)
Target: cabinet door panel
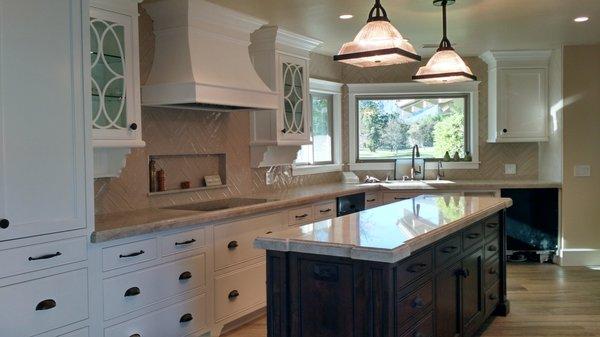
(295,115)
(447,304)
(472,291)
(42,173)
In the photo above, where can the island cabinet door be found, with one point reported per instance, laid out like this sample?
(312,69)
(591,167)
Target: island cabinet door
(472,292)
(447,302)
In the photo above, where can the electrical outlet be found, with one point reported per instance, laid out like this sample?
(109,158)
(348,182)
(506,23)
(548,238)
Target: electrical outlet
(582,170)
(510,168)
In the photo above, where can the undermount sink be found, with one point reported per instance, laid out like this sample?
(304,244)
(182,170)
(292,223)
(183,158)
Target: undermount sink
(221,204)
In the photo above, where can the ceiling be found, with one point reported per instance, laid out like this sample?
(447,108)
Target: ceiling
(474,25)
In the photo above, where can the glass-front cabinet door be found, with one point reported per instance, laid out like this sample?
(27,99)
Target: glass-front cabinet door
(115,107)
(295,108)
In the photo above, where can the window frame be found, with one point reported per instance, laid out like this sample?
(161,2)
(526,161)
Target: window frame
(467,130)
(317,86)
(411,89)
(330,98)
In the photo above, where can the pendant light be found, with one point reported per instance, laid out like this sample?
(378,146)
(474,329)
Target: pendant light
(445,66)
(377,44)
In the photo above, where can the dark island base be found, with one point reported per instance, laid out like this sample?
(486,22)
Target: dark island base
(448,289)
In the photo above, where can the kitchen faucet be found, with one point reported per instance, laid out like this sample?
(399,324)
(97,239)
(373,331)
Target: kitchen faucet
(440,171)
(413,170)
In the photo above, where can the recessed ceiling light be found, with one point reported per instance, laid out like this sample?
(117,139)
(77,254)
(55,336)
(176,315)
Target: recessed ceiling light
(346,16)
(581,19)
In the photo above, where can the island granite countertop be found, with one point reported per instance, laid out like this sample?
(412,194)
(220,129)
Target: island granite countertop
(387,233)
(119,225)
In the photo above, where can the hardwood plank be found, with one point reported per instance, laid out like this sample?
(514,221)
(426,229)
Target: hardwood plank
(546,300)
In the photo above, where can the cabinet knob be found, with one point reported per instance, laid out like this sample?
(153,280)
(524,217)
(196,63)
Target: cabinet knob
(493,297)
(186,318)
(283,130)
(233,295)
(133,126)
(4,223)
(492,248)
(504,130)
(418,303)
(463,272)
(185,275)
(133,291)
(46,305)
(232,245)
(493,271)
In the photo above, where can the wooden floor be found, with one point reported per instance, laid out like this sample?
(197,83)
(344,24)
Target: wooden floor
(546,300)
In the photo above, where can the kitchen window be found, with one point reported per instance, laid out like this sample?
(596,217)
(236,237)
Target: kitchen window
(323,155)
(387,120)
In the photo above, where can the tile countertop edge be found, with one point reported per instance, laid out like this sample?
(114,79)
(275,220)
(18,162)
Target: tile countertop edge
(377,254)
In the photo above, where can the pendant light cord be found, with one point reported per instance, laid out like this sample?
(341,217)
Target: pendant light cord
(445,44)
(378,13)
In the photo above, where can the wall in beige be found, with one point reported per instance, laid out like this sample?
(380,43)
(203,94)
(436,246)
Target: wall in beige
(581,116)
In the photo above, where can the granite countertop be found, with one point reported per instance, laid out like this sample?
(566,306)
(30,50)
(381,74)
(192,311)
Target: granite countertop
(387,233)
(130,223)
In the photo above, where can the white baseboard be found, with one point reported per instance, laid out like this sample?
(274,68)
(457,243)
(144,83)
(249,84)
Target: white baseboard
(579,257)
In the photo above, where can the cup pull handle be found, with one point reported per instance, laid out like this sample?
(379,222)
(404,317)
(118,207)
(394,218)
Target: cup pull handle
(45,305)
(133,291)
(186,275)
(232,245)
(233,295)
(186,318)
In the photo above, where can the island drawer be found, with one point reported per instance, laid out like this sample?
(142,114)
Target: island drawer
(389,197)
(414,268)
(131,253)
(447,250)
(240,290)
(128,292)
(491,272)
(492,226)
(492,296)
(424,328)
(491,249)
(414,304)
(181,319)
(182,242)
(472,236)
(234,241)
(373,199)
(300,216)
(325,210)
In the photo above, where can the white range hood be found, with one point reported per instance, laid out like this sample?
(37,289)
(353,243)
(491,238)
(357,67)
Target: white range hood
(201,59)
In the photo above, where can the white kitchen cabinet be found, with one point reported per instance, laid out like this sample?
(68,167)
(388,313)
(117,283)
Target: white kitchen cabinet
(42,117)
(518,96)
(115,83)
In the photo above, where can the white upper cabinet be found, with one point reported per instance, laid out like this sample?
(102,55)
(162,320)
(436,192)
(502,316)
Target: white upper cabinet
(281,59)
(518,96)
(42,117)
(115,83)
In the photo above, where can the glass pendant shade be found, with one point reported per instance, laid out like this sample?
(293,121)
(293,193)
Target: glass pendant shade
(446,66)
(378,43)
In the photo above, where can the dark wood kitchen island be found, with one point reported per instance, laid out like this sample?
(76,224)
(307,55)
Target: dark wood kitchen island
(423,267)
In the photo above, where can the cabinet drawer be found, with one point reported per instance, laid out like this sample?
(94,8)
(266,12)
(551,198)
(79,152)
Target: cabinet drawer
(491,272)
(182,242)
(181,319)
(240,290)
(79,333)
(414,268)
(326,210)
(389,197)
(128,254)
(128,292)
(42,256)
(492,296)
(472,236)
(491,249)
(300,216)
(415,304)
(492,227)
(447,250)
(234,241)
(44,304)
(373,199)
(423,329)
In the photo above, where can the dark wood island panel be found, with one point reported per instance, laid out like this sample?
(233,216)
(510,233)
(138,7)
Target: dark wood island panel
(447,289)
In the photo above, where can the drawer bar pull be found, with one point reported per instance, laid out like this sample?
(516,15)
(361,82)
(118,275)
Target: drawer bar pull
(132,254)
(133,291)
(492,248)
(45,305)
(418,303)
(186,318)
(301,216)
(233,295)
(185,275)
(415,268)
(371,200)
(269,232)
(449,249)
(188,242)
(400,198)
(493,297)
(44,257)
(232,245)
(325,210)
(473,235)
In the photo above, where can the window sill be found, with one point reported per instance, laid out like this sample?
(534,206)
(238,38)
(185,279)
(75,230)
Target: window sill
(302,170)
(389,166)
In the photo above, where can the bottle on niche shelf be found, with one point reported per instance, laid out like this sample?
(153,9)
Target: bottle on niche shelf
(153,181)
(160,179)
